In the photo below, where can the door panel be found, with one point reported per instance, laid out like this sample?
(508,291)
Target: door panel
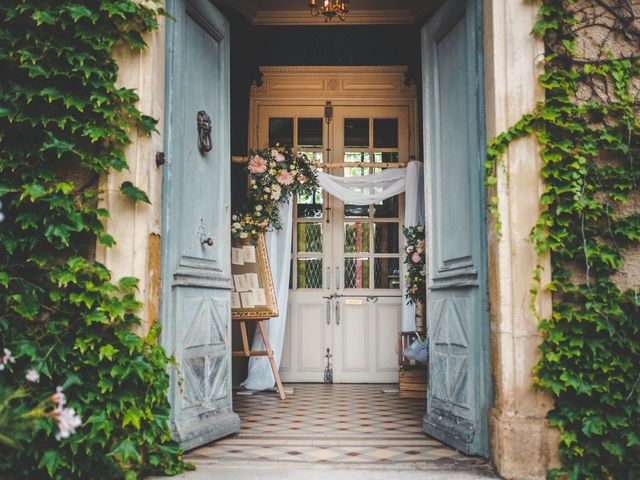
(388,323)
(195,309)
(311,338)
(354,338)
(459,389)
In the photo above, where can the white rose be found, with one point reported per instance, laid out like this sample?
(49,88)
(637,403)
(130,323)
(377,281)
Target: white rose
(258,208)
(409,249)
(243,235)
(236,225)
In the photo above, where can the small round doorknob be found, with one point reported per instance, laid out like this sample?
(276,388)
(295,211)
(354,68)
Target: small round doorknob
(207,241)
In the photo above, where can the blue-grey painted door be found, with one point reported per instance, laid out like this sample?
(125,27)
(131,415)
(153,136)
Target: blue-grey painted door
(459,388)
(195,303)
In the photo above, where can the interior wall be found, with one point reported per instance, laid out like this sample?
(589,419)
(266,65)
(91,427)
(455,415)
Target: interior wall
(356,45)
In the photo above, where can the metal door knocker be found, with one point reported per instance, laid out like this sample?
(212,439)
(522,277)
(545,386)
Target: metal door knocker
(204,132)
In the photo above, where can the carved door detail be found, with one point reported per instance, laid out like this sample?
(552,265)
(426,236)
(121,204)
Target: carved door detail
(195,304)
(459,388)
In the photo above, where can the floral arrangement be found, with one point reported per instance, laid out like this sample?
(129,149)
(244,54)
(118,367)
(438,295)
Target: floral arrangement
(415,262)
(17,418)
(275,174)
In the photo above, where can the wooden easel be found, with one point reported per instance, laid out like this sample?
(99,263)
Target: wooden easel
(247,352)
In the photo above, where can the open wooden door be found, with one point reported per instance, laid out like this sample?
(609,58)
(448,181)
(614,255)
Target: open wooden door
(195,306)
(459,387)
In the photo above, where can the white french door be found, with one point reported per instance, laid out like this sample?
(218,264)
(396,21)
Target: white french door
(344,295)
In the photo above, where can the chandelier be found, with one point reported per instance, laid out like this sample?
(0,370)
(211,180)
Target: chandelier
(329,8)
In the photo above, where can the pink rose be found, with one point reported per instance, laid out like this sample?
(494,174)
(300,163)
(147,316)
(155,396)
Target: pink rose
(415,258)
(257,164)
(285,178)
(280,157)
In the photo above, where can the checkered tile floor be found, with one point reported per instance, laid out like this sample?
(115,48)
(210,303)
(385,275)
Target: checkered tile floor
(330,423)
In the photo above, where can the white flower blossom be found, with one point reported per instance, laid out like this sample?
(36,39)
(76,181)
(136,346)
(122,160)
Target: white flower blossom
(32,376)
(67,420)
(244,234)
(236,225)
(409,249)
(6,359)
(276,192)
(258,208)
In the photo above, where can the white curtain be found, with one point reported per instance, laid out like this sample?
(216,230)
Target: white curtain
(361,190)
(260,376)
(413,215)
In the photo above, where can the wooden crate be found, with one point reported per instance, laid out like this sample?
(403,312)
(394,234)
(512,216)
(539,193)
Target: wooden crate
(413,383)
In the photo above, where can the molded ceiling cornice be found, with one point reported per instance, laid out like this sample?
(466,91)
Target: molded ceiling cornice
(296,12)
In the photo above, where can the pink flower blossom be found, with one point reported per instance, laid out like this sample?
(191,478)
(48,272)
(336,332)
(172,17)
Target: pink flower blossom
(67,420)
(280,157)
(285,178)
(32,376)
(415,258)
(257,164)
(59,398)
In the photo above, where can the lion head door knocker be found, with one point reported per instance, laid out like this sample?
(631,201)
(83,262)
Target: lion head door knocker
(204,132)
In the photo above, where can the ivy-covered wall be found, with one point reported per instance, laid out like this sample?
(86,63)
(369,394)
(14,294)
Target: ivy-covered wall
(64,123)
(589,132)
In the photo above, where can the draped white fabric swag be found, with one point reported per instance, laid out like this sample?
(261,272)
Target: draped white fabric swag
(361,190)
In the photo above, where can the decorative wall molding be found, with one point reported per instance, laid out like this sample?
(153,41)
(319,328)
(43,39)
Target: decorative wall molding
(333,82)
(356,16)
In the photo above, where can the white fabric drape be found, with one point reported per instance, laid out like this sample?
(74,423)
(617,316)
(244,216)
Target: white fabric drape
(365,189)
(413,215)
(260,376)
(362,190)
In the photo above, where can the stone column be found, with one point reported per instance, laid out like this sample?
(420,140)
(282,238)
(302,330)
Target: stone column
(136,225)
(523,445)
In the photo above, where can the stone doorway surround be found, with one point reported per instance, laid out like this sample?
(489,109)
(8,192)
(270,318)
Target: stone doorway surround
(522,443)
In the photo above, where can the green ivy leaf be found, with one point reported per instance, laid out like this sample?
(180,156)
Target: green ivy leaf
(134,192)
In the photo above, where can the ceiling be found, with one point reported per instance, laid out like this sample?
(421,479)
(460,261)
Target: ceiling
(296,12)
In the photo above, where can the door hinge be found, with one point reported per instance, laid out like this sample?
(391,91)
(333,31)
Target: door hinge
(159,158)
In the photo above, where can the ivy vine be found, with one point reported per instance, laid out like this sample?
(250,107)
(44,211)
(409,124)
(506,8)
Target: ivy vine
(63,123)
(589,131)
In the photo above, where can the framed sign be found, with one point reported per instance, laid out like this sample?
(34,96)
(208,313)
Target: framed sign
(252,296)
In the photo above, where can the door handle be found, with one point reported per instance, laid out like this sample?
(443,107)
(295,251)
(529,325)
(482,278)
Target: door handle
(337,312)
(327,312)
(337,278)
(328,282)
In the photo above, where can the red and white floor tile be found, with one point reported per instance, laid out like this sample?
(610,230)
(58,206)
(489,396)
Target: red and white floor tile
(340,423)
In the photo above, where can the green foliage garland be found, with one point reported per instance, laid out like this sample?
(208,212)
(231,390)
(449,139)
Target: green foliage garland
(64,122)
(589,131)
(415,257)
